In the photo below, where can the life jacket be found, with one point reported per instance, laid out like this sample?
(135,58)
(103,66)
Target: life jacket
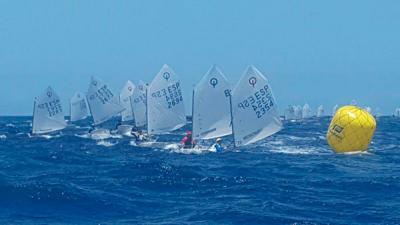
(188,141)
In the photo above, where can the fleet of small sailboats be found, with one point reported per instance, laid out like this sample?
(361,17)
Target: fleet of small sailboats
(248,112)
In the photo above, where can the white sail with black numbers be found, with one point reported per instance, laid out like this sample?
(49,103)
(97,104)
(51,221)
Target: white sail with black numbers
(165,108)
(102,102)
(78,107)
(125,101)
(211,106)
(255,112)
(48,115)
(139,107)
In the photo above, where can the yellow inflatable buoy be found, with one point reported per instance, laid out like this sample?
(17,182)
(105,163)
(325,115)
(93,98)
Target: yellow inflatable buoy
(351,129)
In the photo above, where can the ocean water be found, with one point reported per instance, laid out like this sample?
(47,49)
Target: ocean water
(290,178)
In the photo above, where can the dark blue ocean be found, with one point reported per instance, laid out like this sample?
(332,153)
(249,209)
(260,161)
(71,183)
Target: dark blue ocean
(290,178)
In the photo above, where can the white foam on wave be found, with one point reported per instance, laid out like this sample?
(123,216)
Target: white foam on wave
(357,153)
(106,143)
(298,151)
(82,135)
(296,138)
(47,136)
(3,136)
(176,148)
(10,125)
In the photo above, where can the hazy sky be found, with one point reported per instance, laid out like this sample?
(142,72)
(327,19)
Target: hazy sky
(320,52)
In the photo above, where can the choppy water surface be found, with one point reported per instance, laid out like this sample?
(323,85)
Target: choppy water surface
(290,178)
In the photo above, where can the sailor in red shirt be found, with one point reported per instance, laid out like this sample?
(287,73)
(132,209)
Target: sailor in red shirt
(187,141)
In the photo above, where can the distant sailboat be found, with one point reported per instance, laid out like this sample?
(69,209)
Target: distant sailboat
(211,106)
(127,114)
(368,109)
(125,101)
(103,105)
(320,111)
(48,115)
(138,104)
(306,113)
(165,107)
(298,112)
(397,112)
(254,110)
(334,109)
(79,109)
(290,113)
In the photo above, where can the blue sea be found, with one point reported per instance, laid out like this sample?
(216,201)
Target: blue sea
(292,177)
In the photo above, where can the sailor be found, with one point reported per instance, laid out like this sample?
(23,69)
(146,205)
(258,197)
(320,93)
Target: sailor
(138,134)
(217,146)
(187,141)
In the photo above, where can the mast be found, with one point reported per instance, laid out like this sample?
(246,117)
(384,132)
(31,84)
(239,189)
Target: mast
(230,106)
(147,111)
(90,110)
(193,111)
(33,114)
(133,114)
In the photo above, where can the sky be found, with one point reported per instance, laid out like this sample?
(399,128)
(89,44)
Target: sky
(312,51)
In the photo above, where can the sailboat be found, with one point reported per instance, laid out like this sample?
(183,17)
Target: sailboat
(368,109)
(79,109)
(320,111)
(138,104)
(290,113)
(48,115)
(254,110)
(211,111)
(306,111)
(103,105)
(298,112)
(335,108)
(397,112)
(127,114)
(165,106)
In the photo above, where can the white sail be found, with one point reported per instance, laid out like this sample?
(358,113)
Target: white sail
(48,115)
(211,106)
(397,112)
(125,101)
(102,102)
(335,108)
(255,112)
(298,112)
(306,111)
(139,107)
(290,113)
(320,111)
(79,109)
(165,108)
(368,109)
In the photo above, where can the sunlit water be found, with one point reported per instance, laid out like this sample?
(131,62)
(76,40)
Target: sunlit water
(290,178)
